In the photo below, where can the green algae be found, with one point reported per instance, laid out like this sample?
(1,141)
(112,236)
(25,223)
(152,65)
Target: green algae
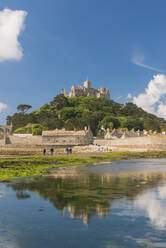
(31,166)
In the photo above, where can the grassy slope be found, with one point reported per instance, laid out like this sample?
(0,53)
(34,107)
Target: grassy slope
(21,167)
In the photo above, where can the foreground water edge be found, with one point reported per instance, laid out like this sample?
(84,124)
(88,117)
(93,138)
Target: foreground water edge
(30,166)
(114,205)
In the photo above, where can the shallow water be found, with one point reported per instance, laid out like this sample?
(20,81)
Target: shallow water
(121,204)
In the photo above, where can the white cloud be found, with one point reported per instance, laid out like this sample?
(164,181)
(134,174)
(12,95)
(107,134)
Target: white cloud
(153,98)
(138,59)
(3,106)
(161,112)
(154,204)
(11,25)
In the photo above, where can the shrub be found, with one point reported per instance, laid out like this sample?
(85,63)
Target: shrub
(37,129)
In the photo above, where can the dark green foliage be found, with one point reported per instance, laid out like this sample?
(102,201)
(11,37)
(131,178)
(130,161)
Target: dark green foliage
(23,108)
(67,113)
(78,112)
(152,124)
(109,121)
(131,123)
(19,120)
(35,129)
(129,109)
(53,123)
(59,102)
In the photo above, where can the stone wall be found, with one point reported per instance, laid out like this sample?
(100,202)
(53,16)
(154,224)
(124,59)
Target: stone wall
(82,138)
(134,143)
(16,141)
(21,135)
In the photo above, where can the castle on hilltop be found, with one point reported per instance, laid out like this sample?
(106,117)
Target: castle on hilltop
(86,90)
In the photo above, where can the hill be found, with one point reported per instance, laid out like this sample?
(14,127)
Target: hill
(78,112)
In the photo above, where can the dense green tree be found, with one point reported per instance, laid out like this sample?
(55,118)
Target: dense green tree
(131,123)
(53,123)
(108,121)
(152,124)
(37,129)
(67,113)
(130,109)
(19,120)
(23,108)
(71,124)
(59,102)
(9,120)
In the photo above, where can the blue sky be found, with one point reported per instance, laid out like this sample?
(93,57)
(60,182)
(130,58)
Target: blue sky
(119,44)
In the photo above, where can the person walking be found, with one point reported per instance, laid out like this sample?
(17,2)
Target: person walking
(67,151)
(52,151)
(44,151)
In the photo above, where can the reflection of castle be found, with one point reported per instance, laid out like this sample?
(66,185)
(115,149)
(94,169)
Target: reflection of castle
(83,195)
(85,214)
(86,90)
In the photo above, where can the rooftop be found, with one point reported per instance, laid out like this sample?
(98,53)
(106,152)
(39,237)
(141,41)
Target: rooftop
(57,132)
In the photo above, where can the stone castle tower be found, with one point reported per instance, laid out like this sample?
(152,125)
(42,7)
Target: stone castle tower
(87,84)
(86,90)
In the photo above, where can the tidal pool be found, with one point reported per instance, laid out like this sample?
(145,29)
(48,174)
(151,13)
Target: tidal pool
(121,204)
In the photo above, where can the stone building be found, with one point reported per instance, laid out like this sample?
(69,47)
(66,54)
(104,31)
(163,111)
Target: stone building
(67,138)
(86,90)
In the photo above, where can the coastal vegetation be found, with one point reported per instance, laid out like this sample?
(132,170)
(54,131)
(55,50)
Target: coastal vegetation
(77,112)
(22,166)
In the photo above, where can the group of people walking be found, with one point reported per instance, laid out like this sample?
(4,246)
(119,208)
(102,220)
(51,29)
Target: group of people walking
(68,151)
(51,151)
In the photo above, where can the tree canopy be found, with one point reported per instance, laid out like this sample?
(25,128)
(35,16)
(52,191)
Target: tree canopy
(23,108)
(77,112)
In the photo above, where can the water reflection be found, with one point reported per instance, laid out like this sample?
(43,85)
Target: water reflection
(1,194)
(22,195)
(4,244)
(154,204)
(1,190)
(123,204)
(83,194)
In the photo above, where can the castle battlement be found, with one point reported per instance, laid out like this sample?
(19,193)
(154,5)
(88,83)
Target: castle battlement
(86,90)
